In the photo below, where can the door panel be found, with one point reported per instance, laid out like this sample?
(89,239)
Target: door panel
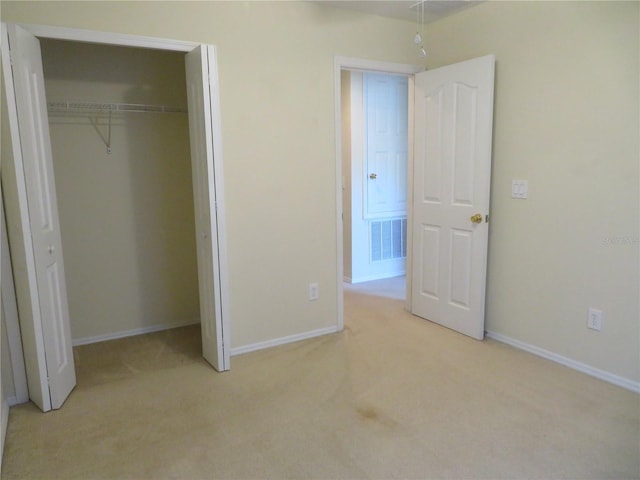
(464,120)
(386,148)
(52,311)
(430,265)
(9,275)
(453,122)
(30,327)
(460,268)
(433,155)
(201,135)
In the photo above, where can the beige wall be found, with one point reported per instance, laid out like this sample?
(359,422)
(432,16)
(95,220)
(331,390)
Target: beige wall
(277,104)
(567,120)
(127,220)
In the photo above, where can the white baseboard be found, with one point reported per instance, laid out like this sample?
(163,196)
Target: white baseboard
(568,362)
(12,401)
(128,333)
(283,340)
(370,278)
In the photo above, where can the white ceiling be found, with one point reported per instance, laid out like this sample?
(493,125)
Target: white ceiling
(433,9)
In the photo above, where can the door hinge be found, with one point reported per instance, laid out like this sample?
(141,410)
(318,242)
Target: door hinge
(486,218)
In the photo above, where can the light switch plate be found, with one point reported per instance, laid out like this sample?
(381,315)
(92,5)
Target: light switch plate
(519,189)
(594,320)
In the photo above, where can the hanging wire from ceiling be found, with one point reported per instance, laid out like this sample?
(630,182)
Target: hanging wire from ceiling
(418,39)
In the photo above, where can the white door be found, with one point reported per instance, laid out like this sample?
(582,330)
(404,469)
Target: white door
(200,99)
(51,312)
(453,129)
(386,123)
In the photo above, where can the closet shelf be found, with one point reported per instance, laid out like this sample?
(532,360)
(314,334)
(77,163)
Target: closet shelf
(104,108)
(98,107)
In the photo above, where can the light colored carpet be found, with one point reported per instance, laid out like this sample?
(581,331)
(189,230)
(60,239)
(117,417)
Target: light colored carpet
(393,396)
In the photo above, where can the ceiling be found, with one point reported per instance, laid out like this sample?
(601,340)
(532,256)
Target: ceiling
(433,9)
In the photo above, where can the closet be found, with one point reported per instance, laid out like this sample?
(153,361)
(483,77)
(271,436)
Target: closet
(121,157)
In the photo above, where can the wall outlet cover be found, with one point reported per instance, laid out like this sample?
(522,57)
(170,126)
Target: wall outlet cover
(594,319)
(314,291)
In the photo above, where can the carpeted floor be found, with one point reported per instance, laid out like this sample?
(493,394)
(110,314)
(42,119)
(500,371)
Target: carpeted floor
(393,396)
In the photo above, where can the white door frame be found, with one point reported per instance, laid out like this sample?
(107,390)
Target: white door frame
(349,63)
(90,36)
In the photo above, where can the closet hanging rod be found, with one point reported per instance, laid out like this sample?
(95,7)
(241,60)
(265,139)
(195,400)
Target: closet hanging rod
(105,107)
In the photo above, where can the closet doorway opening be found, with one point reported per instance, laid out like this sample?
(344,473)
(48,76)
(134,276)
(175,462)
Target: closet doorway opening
(133,204)
(121,159)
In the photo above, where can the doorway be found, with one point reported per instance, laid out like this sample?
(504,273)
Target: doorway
(47,342)
(375,162)
(343,150)
(450,170)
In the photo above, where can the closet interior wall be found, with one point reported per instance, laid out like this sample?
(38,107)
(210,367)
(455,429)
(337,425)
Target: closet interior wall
(127,218)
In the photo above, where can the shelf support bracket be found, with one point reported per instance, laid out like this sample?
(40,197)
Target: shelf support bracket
(106,140)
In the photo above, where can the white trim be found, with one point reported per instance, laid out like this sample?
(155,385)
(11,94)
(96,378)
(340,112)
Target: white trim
(411,131)
(107,38)
(370,278)
(283,340)
(76,342)
(567,362)
(339,210)
(351,63)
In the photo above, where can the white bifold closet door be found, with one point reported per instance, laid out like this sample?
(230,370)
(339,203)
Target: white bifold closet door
(51,374)
(198,63)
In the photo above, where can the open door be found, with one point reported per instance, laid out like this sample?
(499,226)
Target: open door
(201,110)
(51,374)
(452,172)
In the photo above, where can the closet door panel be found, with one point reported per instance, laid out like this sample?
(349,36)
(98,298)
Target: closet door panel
(201,139)
(50,305)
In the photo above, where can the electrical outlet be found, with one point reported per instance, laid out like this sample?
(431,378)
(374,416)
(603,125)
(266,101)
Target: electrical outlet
(314,291)
(594,319)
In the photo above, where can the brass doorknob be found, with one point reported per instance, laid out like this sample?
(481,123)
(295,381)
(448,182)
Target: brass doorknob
(373,176)
(477,218)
